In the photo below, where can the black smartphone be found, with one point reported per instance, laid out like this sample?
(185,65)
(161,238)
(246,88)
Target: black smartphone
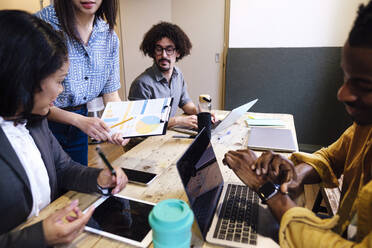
(140,177)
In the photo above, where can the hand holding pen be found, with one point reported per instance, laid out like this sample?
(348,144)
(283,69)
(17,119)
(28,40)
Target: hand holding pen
(111,177)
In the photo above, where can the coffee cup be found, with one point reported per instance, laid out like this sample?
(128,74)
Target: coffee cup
(171,222)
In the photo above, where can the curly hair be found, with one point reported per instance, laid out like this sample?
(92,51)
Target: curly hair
(170,31)
(361,33)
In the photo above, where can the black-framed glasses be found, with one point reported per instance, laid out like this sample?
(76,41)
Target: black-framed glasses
(169,50)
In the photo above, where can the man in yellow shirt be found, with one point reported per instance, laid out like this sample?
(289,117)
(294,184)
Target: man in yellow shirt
(350,155)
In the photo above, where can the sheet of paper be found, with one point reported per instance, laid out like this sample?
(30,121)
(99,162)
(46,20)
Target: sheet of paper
(264,122)
(144,117)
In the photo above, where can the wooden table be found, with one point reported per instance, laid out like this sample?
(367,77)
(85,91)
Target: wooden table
(159,154)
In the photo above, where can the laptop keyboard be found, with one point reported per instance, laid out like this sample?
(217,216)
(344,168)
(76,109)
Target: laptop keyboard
(239,216)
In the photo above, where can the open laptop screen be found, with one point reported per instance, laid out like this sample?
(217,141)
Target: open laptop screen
(202,179)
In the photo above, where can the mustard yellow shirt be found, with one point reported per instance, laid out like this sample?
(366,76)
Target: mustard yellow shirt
(350,155)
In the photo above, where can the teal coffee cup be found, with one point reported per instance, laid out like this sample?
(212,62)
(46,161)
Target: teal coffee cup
(171,222)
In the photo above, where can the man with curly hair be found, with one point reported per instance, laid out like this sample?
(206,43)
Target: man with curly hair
(166,43)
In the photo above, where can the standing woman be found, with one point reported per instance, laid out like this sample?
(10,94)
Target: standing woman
(93,49)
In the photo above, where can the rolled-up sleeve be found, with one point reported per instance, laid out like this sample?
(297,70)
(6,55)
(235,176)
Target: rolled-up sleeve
(328,162)
(185,98)
(301,228)
(139,90)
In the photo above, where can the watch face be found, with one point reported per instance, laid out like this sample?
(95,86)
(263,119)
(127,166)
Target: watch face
(267,190)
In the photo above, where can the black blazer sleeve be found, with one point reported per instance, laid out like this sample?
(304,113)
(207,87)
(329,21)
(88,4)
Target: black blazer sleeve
(63,173)
(62,170)
(30,237)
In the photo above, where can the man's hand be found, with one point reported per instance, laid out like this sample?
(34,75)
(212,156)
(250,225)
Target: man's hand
(118,182)
(279,169)
(62,227)
(186,121)
(94,127)
(240,162)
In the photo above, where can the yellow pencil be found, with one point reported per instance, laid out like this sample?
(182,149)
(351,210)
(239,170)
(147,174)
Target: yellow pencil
(122,122)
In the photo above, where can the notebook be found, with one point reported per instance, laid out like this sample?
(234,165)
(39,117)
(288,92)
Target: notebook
(226,214)
(276,139)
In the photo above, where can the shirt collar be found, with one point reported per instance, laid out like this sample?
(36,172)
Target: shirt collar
(53,16)
(20,126)
(159,76)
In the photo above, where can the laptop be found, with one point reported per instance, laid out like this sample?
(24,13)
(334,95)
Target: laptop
(233,116)
(219,126)
(226,214)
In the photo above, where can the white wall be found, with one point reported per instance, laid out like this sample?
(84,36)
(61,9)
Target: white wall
(137,17)
(291,23)
(203,22)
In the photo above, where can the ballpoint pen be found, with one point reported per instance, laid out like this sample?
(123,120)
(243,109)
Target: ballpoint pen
(107,163)
(183,136)
(122,122)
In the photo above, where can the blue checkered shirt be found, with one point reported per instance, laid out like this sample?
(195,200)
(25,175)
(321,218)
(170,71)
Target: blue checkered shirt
(94,68)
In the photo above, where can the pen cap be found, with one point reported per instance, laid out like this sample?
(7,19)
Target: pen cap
(171,222)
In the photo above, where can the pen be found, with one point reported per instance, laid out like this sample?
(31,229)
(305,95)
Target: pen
(183,137)
(122,122)
(220,137)
(107,163)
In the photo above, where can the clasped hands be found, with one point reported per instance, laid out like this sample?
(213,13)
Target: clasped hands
(254,172)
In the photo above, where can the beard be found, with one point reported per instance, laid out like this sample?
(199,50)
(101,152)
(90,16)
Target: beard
(364,113)
(163,69)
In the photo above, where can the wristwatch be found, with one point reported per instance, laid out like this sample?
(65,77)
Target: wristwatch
(103,191)
(267,191)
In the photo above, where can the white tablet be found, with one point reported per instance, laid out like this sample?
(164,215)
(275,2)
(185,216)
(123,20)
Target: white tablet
(123,219)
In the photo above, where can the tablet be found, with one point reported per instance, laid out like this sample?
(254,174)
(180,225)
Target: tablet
(122,218)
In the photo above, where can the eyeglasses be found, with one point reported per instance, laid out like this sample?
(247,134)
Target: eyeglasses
(169,50)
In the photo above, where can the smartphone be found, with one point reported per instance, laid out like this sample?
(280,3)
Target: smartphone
(140,177)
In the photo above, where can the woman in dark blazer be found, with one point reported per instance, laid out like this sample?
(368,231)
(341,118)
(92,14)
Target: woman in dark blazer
(33,63)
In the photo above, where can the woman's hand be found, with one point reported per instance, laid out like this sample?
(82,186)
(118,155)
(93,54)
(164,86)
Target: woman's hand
(64,225)
(117,139)
(94,127)
(118,182)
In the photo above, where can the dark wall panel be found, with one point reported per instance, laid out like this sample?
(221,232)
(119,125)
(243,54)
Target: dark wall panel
(299,81)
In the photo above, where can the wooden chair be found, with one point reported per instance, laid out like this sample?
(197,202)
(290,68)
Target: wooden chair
(331,197)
